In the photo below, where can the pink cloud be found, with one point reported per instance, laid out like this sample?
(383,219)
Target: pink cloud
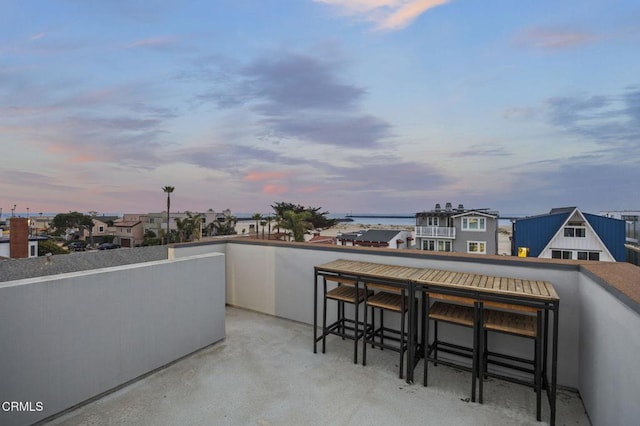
(403,16)
(386,14)
(83,158)
(275,189)
(265,176)
(553,39)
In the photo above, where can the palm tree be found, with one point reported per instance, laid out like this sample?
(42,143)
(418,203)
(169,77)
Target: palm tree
(257,217)
(168,190)
(269,219)
(297,223)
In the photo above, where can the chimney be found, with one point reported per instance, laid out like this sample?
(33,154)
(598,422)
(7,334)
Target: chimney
(438,207)
(19,238)
(460,207)
(447,207)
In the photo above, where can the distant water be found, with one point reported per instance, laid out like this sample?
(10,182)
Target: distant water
(377,219)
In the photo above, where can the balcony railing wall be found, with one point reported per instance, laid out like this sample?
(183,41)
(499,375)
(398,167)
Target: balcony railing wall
(435,232)
(598,342)
(69,337)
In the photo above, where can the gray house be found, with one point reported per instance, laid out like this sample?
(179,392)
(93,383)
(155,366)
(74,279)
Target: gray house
(457,230)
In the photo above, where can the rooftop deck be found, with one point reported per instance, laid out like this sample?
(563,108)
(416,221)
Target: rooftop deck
(265,372)
(86,324)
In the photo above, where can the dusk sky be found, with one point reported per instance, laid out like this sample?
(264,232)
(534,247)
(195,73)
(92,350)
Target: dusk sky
(384,106)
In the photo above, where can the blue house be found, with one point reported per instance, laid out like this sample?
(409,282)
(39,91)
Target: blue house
(568,233)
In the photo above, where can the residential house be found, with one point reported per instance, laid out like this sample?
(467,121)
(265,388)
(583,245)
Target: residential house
(457,230)
(632,223)
(377,238)
(18,243)
(568,233)
(102,227)
(157,222)
(128,233)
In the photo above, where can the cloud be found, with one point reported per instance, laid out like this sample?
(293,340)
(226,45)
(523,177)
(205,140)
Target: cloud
(479,150)
(156,43)
(298,97)
(290,82)
(553,39)
(609,120)
(265,176)
(360,131)
(387,15)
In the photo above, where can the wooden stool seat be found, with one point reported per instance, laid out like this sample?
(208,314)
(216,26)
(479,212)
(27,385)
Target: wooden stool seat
(388,301)
(510,322)
(456,314)
(346,294)
(391,299)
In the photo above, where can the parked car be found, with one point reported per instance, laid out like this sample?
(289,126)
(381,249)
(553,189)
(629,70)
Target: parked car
(108,246)
(77,246)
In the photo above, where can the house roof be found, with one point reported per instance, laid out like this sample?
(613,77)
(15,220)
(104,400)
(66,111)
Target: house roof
(127,224)
(378,236)
(535,232)
(106,219)
(322,239)
(477,213)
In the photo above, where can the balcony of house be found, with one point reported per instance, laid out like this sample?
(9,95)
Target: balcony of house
(435,232)
(221,332)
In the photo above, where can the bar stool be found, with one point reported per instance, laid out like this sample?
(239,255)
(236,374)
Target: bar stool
(388,298)
(517,324)
(347,291)
(464,312)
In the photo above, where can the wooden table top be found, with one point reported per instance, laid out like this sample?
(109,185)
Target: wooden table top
(535,289)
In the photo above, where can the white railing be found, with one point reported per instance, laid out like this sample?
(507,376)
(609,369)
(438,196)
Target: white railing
(436,231)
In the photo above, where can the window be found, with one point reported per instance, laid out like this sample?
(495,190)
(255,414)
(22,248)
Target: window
(444,245)
(570,231)
(561,254)
(436,245)
(594,255)
(100,228)
(128,230)
(474,224)
(476,247)
(433,221)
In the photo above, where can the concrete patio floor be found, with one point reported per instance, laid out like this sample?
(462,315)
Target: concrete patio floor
(266,373)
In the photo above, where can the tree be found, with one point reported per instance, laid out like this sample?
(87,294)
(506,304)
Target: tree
(224,227)
(297,223)
(189,227)
(269,220)
(168,190)
(50,246)
(257,217)
(63,222)
(317,218)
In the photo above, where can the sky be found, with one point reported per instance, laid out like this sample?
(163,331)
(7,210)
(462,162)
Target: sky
(384,106)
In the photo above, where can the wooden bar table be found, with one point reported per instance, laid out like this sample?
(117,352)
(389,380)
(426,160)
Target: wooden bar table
(535,294)
(375,273)
(508,292)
